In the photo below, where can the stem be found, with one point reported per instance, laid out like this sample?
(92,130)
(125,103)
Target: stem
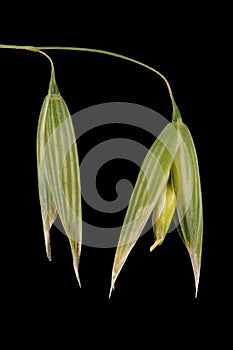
(109,53)
(49,58)
(53,88)
(29,48)
(113,54)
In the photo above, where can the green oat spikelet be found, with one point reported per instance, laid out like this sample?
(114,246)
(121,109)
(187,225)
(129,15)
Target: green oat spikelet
(151,182)
(168,180)
(58,171)
(47,204)
(187,186)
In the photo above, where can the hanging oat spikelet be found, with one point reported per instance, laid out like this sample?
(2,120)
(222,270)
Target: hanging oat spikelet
(169,179)
(58,171)
(187,186)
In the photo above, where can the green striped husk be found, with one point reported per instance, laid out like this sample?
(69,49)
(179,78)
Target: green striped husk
(151,181)
(169,180)
(58,171)
(187,186)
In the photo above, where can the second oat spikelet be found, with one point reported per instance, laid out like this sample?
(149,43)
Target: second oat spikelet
(168,180)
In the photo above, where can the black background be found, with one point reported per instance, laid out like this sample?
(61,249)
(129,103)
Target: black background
(154,292)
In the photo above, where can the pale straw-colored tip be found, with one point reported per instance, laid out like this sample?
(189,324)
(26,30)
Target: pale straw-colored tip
(196,286)
(156,243)
(77,276)
(48,252)
(196,269)
(110,292)
(76,264)
(48,245)
(112,287)
(49,256)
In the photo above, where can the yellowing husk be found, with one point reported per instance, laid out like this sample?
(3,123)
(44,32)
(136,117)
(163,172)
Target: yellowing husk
(163,214)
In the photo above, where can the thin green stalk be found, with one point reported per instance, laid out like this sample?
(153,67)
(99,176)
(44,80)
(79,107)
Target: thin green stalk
(20,47)
(109,53)
(49,58)
(28,48)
